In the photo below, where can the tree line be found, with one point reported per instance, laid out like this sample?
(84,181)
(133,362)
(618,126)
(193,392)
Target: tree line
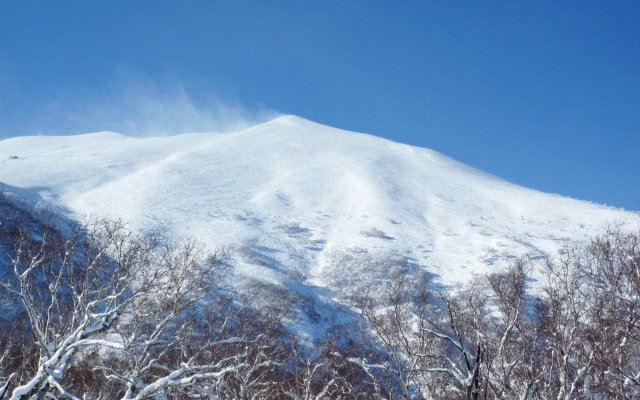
(102,313)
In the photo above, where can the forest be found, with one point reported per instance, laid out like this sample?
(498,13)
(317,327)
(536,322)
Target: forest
(100,312)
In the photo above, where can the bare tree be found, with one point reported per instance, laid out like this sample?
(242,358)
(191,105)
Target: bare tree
(592,319)
(121,306)
(512,346)
(577,336)
(316,378)
(420,359)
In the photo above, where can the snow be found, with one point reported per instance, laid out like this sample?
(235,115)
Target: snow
(290,194)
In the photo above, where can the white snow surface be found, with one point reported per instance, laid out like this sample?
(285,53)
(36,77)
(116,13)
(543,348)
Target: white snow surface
(292,197)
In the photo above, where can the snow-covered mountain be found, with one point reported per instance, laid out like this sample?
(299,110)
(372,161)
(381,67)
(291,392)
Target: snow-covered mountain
(302,202)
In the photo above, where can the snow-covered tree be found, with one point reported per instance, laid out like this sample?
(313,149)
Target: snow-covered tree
(101,313)
(112,313)
(577,336)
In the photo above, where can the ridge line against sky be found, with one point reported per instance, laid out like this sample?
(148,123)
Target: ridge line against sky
(544,94)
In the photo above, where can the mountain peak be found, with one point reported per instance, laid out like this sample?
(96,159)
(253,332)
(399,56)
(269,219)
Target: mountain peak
(293,123)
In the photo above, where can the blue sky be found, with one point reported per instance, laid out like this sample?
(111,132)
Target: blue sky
(545,94)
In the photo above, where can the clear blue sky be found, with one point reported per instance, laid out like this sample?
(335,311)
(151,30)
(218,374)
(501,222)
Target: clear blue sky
(545,94)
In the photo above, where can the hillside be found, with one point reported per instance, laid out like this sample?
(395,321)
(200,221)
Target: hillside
(301,204)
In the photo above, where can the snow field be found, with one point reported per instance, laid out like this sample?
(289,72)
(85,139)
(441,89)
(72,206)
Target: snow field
(294,199)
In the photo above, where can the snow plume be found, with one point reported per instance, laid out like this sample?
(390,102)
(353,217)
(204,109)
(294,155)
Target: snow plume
(137,106)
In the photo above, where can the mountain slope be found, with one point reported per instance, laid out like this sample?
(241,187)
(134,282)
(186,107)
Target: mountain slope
(298,199)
